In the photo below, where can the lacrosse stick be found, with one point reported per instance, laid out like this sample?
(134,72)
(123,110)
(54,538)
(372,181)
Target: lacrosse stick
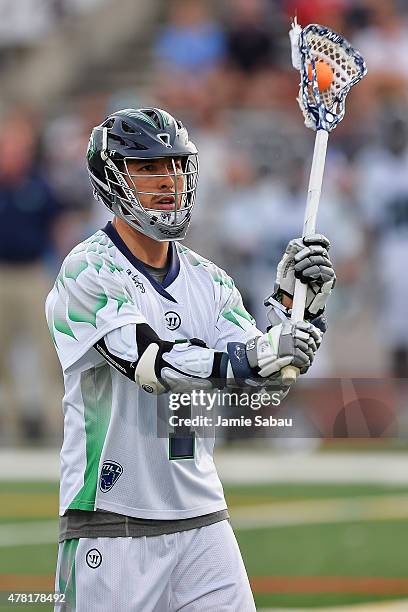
(322,111)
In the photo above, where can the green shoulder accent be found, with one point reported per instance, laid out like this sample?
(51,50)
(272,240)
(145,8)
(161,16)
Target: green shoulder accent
(80,248)
(78,314)
(74,267)
(193,258)
(218,276)
(232,313)
(62,326)
(225,281)
(229,315)
(244,314)
(121,299)
(113,267)
(96,262)
(59,319)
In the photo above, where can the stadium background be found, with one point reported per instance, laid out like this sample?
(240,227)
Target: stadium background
(321,519)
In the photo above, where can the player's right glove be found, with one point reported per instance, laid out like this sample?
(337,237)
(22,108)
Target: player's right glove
(284,344)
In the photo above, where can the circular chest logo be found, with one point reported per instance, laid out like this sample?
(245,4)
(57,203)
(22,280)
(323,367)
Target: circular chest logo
(173,320)
(93,558)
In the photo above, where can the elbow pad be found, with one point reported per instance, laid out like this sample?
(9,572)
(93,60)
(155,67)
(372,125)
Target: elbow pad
(157,365)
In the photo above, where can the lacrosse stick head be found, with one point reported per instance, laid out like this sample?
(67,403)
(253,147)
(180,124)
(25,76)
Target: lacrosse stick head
(323,110)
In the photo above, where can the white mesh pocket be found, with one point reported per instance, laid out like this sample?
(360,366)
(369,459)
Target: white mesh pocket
(325,109)
(343,65)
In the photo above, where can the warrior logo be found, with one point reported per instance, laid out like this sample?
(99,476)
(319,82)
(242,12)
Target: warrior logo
(93,558)
(109,475)
(173,320)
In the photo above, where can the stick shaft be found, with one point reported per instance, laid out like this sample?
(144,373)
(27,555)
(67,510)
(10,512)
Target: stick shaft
(315,182)
(312,206)
(309,227)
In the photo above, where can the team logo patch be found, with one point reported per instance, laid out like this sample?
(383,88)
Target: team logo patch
(93,558)
(109,475)
(173,320)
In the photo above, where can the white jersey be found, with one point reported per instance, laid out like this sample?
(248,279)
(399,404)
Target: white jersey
(112,457)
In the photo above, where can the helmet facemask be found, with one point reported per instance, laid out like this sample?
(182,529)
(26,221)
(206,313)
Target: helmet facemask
(134,205)
(116,154)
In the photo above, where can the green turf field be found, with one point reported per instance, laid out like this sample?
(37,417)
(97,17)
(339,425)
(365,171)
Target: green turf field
(316,545)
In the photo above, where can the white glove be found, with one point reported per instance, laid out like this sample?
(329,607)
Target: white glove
(286,343)
(307,259)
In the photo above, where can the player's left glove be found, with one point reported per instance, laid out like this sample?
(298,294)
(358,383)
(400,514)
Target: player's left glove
(307,259)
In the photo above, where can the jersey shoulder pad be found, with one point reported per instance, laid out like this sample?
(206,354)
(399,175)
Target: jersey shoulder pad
(92,261)
(90,292)
(217,274)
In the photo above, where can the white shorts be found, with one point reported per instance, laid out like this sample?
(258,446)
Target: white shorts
(191,571)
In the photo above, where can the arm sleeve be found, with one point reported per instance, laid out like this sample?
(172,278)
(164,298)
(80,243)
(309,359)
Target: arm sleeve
(89,299)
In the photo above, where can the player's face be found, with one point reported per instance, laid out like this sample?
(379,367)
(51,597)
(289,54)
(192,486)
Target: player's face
(156,182)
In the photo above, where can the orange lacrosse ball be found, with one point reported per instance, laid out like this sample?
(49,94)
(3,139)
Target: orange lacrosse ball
(324,75)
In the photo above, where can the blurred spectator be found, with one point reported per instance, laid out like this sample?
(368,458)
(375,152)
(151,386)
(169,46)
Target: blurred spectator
(66,168)
(190,50)
(24,21)
(383,192)
(192,41)
(209,130)
(384,46)
(252,75)
(29,213)
(357,17)
(251,45)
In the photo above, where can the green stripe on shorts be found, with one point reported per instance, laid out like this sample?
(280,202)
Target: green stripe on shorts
(66,577)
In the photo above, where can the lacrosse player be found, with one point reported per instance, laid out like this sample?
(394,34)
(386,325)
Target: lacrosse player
(133,315)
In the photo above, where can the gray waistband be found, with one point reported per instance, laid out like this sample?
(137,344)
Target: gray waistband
(101,524)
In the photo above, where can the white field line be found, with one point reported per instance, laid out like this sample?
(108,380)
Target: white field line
(255,466)
(27,533)
(247,466)
(281,514)
(338,510)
